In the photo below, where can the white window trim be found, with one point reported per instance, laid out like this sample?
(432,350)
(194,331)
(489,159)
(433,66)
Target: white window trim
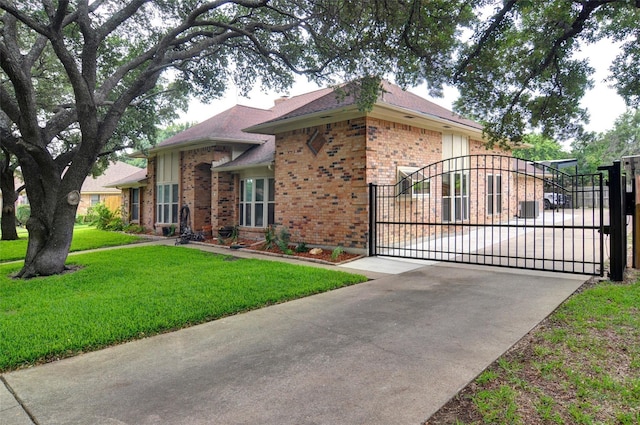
(160,203)
(496,207)
(135,205)
(416,178)
(265,202)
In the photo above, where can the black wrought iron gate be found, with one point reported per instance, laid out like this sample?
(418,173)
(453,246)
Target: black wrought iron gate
(492,210)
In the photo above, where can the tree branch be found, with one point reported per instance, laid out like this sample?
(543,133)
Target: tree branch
(496,21)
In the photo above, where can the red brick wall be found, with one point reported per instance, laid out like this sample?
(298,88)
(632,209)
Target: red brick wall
(125,205)
(322,198)
(390,145)
(224,200)
(196,182)
(147,197)
(416,147)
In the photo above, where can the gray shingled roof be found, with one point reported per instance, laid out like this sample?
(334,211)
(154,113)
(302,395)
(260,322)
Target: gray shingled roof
(392,95)
(226,126)
(116,171)
(256,156)
(136,179)
(242,124)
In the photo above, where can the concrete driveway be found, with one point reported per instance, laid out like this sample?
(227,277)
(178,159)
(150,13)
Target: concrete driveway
(388,351)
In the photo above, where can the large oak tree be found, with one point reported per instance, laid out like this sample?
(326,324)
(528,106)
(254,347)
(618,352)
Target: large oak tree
(111,54)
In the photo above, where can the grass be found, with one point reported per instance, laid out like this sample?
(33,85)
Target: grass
(120,295)
(84,238)
(580,366)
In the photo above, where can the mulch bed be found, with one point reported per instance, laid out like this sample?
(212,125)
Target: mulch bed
(324,256)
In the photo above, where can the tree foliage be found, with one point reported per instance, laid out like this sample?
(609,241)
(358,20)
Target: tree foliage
(519,71)
(593,150)
(80,80)
(540,148)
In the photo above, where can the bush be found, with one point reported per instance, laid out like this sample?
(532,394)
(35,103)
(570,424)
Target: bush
(301,247)
(23,213)
(269,237)
(284,238)
(134,228)
(103,218)
(336,252)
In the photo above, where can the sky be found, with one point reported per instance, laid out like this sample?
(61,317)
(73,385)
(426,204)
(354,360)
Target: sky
(602,102)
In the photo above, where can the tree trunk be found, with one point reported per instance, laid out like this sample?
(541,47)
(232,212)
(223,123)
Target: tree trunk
(9,231)
(9,197)
(54,199)
(49,241)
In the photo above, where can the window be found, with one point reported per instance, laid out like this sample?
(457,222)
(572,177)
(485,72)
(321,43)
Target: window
(411,181)
(167,188)
(95,199)
(257,202)
(494,194)
(167,203)
(455,196)
(135,204)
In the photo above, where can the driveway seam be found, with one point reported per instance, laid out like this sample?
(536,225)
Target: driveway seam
(18,400)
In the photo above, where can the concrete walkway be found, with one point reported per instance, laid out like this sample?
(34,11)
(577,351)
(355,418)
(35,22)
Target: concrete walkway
(388,351)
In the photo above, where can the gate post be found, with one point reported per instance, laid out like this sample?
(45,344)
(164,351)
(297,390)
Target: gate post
(618,249)
(372,219)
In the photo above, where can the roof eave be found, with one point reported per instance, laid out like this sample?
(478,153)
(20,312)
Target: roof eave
(381,110)
(421,119)
(194,144)
(234,168)
(308,120)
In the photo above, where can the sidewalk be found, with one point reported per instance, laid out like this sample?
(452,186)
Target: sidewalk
(388,351)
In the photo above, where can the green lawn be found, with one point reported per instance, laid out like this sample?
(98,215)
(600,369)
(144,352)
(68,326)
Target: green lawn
(84,237)
(581,366)
(120,295)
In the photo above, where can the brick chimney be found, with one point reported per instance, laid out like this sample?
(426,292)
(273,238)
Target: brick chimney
(280,100)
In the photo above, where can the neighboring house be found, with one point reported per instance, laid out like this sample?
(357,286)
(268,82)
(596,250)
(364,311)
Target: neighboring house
(131,187)
(307,164)
(97,190)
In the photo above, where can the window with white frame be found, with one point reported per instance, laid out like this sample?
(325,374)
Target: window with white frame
(95,199)
(135,204)
(167,203)
(167,194)
(494,194)
(257,201)
(411,181)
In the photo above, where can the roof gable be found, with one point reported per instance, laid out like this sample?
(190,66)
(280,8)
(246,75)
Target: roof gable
(392,96)
(225,126)
(115,171)
(139,178)
(228,126)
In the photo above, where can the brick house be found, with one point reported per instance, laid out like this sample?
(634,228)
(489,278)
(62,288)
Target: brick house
(307,163)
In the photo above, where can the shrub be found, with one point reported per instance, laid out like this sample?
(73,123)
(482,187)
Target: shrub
(269,237)
(103,218)
(336,253)
(284,238)
(23,213)
(301,247)
(134,228)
